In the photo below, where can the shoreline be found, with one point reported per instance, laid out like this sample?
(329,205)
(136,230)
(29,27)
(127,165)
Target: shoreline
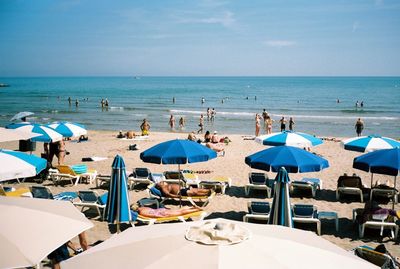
(232,205)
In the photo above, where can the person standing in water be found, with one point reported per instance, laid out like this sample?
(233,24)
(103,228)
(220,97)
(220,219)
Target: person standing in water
(201,124)
(172,122)
(359,126)
(258,125)
(291,124)
(182,123)
(282,121)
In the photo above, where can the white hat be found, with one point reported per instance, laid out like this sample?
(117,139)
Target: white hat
(215,132)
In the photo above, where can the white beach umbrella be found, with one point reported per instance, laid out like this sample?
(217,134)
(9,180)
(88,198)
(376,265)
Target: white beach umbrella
(68,129)
(14,135)
(369,143)
(48,134)
(289,138)
(30,229)
(21,115)
(255,246)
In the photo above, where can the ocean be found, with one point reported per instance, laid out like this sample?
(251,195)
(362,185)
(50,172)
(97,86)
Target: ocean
(311,101)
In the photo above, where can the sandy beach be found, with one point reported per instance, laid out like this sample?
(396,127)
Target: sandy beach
(232,205)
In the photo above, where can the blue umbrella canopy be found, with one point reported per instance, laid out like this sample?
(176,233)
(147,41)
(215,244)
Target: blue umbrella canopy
(68,129)
(384,161)
(370,143)
(281,213)
(117,208)
(47,134)
(289,138)
(294,160)
(177,152)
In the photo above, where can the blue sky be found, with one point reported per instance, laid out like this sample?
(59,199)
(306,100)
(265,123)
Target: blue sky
(200,38)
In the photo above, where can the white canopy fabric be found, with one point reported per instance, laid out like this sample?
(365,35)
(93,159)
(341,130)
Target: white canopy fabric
(14,135)
(32,228)
(165,246)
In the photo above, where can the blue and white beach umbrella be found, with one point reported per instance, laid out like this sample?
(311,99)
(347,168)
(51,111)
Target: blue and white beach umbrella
(289,138)
(370,143)
(14,165)
(117,208)
(68,129)
(281,213)
(47,134)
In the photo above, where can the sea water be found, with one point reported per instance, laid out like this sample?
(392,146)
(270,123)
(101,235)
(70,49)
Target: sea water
(311,101)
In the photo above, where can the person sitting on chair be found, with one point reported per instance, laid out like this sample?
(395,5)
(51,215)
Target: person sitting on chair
(174,190)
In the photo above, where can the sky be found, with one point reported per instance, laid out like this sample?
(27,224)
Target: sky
(200,38)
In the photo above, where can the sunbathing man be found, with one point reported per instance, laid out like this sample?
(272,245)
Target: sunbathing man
(174,190)
(165,212)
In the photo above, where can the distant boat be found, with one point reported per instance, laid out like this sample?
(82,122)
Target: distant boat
(4,85)
(136,77)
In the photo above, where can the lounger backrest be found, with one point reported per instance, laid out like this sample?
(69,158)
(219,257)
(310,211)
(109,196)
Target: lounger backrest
(88,196)
(41,192)
(303,211)
(155,192)
(258,178)
(380,259)
(350,181)
(142,172)
(65,169)
(172,175)
(259,208)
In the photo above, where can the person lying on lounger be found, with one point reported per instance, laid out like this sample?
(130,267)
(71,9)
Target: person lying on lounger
(372,208)
(173,190)
(165,212)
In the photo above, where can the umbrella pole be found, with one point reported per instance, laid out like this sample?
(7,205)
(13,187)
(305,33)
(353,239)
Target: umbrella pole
(372,178)
(118,199)
(395,193)
(180,185)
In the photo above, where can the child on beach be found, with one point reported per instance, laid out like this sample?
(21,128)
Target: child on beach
(145,127)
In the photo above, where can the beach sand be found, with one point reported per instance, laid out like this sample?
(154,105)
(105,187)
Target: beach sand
(232,205)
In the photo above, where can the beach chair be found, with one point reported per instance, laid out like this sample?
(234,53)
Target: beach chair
(43,192)
(257,211)
(384,191)
(375,221)
(153,192)
(218,183)
(351,185)
(259,181)
(102,180)
(369,254)
(199,215)
(306,214)
(312,184)
(90,199)
(12,192)
(74,173)
(185,178)
(139,176)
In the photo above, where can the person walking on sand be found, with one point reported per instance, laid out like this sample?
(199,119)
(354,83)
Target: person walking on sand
(201,124)
(282,121)
(291,124)
(359,126)
(172,122)
(258,125)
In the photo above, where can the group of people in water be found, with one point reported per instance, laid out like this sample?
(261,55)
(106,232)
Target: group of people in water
(268,121)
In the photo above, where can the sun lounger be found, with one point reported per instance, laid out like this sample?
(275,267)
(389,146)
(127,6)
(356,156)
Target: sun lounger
(188,179)
(73,173)
(384,191)
(259,181)
(312,184)
(90,199)
(350,185)
(102,180)
(306,214)
(139,176)
(376,221)
(11,192)
(382,260)
(199,215)
(218,183)
(257,211)
(44,192)
(153,192)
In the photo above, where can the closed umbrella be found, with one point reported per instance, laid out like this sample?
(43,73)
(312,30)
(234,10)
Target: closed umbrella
(262,246)
(289,138)
(15,164)
(384,161)
(281,213)
(68,129)
(14,135)
(117,208)
(177,152)
(47,134)
(30,229)
(369,143)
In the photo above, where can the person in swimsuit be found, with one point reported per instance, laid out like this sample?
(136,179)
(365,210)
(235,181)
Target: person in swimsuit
(174,190)
(283,124)
(258,118)
(207,137)
(61,152)
(201,124)
(166,212)
(145,127)
(172,122)
(359,126)
(291,124)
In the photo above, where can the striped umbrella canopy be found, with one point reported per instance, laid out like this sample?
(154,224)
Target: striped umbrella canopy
(68,129)
(370,143)
(117,208)
(289,138)
(281,213)
(14,135)
(15,164)
(47,134)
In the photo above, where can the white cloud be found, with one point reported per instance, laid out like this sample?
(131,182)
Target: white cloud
(356,25)
(226,19)
(279,43)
